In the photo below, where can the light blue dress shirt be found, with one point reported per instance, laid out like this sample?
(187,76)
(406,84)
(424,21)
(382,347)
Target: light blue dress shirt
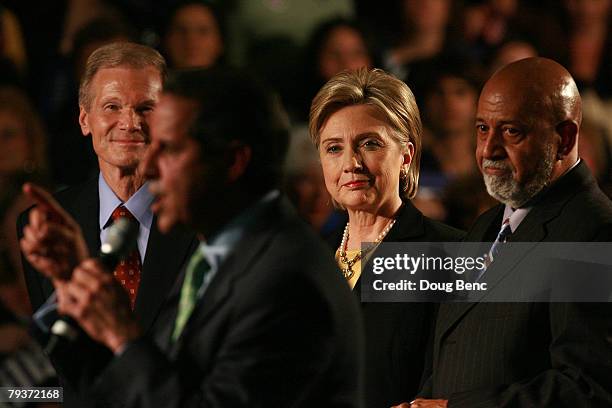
(139,204)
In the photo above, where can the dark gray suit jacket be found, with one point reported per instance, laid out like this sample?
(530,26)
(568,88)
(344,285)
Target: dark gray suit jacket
(163,262)
(531,354)
(277,327)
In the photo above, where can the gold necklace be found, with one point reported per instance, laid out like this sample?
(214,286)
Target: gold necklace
(348,271)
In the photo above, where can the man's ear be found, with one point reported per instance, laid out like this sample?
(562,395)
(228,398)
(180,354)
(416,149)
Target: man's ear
(83,122)
(568,130)
(239,156)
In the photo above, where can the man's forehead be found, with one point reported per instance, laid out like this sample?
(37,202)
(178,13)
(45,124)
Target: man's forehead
(146,74)
(497,100)
(512,100)
(127,79)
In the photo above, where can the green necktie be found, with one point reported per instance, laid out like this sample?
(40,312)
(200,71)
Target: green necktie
(196,270)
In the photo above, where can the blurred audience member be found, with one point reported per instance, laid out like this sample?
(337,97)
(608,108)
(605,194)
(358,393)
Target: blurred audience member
(449,99)
(13,57)
(584,45)
(490,24)
(341,45)
(596,152)
(335,45)
(423,34)
(268,37)
(511,51)
(305,186)
(285,21)
(589,44)
(450,110)
(22,158)
(79,13)
(194,35)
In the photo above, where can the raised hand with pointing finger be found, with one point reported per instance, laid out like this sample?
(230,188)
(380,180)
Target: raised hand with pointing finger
(52,241)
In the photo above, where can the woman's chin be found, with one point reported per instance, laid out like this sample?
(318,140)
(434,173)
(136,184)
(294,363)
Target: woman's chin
(363,204)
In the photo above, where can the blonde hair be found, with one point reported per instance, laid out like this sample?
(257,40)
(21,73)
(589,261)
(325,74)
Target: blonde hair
(389,96)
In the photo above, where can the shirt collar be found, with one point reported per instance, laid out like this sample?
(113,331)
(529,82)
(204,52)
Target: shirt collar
(571,168)
(516,216)
(139,204)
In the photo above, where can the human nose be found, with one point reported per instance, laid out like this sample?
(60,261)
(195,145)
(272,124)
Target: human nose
(130,120)
(352,161)
(490,145)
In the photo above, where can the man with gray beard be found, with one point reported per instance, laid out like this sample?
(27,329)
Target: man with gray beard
(528,354)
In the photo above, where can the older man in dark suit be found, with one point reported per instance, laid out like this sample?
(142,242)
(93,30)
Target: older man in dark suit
(528,354)
(118,92)
(263,317)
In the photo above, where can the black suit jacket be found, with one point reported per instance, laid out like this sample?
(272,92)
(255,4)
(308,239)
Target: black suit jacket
(531,354)
(162,264)
(277,327)
(397,333)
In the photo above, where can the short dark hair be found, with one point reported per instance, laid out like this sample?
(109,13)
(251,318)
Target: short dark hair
(447,66)
(233,106)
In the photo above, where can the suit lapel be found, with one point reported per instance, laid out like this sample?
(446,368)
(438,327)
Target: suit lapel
(531,230)
(88,217)
(240,261)
(546,207)
(484,231)
(408,227)
(166,254)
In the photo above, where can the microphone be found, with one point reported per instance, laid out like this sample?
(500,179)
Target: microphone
(120,241)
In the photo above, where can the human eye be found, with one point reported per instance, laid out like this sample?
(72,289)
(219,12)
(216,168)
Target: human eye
(111,107)
(511,132)
(371,143)
(333,148)
(481,128)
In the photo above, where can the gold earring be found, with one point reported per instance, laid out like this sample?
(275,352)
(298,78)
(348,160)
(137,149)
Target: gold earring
(404,178)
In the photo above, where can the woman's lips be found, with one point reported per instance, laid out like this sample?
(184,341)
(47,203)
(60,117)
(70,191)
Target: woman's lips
(354,184)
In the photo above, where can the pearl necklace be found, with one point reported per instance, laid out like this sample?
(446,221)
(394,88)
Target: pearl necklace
(348,271)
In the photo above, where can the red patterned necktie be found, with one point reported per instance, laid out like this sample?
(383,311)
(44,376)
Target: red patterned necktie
(128,270)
